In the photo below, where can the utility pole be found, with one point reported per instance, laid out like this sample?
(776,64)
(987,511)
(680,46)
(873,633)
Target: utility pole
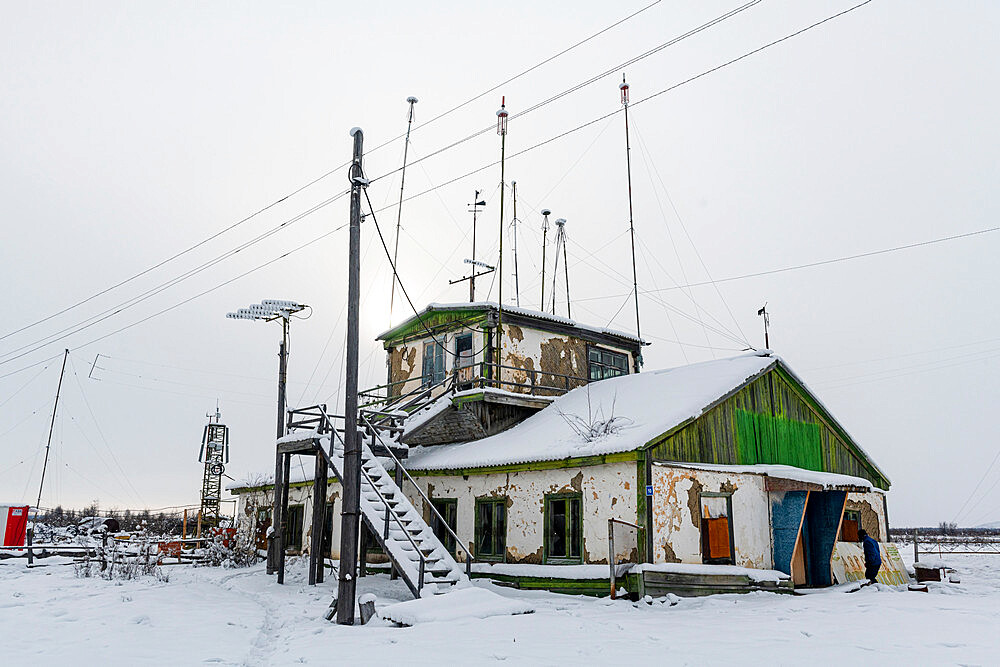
(502,131)
(399,209)
(545,232)
(513,224)
(270,310)
(623,87)
(52,424)
(351,513)
(767,321)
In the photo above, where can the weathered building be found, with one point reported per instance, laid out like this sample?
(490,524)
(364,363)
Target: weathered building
(728,462)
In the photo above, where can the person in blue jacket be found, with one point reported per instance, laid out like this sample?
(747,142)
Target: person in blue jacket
(873,555)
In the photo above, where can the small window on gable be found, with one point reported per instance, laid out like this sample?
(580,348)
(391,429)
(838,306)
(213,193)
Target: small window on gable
(433,365)
(606,364)
(849,527)
(717,529)
(491,528)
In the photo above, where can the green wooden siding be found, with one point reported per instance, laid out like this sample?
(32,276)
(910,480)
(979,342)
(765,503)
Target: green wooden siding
(770,420)
(767,439)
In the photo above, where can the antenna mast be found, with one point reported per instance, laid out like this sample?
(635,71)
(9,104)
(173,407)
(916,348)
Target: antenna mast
(502,131)
(561,242)
(399,209)
(623,87)
(767,321)
(545,232)
(52,424)
(513,224)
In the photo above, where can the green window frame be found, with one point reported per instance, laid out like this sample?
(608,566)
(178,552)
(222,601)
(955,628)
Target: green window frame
(604,364)
(433,363)
(563,543)
(491,528)
(296,515)
(448,508)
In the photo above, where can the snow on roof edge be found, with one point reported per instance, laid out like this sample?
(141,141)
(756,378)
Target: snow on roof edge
(519,310)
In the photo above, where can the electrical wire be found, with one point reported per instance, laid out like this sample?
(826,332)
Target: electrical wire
(328,173)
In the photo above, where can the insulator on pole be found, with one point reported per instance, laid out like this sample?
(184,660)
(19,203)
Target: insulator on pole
(502,118)
(624,88)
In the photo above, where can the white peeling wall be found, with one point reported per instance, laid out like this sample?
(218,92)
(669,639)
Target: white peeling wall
(872,509)
(608,491)
(297,495)
(677,515)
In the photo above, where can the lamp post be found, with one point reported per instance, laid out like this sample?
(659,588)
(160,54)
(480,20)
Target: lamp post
(270,310)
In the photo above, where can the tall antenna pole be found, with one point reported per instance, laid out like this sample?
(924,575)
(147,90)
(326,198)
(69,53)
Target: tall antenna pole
(623,87)
(502,131)
(351,512)
(562,230)
(399,209)
(52,424)
(472,278)
(555,265)
(545,232)
(513,224)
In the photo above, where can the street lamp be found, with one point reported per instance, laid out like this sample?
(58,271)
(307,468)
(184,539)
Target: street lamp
(270,310)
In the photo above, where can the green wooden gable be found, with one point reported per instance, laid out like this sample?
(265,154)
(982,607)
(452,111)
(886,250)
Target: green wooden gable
(773,419)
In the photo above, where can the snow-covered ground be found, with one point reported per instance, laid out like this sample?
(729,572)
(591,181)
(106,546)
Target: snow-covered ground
(212,615)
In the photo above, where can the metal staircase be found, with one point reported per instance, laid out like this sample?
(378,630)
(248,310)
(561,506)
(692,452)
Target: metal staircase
(423,562)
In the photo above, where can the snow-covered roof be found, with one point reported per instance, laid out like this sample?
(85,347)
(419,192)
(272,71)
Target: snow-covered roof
(296,475)
(644,405)
(517,310)
(828,480)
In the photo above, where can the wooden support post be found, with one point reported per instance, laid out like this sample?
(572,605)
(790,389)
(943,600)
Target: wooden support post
(184,525)
(916,549)
(30,535)
(286,462)
(318,521)
(363,551)
(198,533)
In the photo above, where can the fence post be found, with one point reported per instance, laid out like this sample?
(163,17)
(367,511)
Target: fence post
(611,554)
(31,535)
(916,549)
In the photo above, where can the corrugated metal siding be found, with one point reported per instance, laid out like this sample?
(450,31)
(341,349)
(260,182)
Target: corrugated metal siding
(765,422)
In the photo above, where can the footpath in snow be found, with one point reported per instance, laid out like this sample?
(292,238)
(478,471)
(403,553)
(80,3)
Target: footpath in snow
(241,617)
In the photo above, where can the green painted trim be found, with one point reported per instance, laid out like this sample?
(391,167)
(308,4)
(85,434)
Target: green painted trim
(477,528)
(578,462)
(268,487)
(592,587)
(547,523)
(458,401)
(418,325)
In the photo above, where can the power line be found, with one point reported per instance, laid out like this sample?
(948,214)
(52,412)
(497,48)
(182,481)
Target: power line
(114,310)
(582,84)
(796,267)
(325,175)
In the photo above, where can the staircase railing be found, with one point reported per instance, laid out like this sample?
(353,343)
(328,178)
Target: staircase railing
(399,466)
(390,512)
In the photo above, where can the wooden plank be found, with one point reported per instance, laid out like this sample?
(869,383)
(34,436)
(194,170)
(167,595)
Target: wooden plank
(652,577)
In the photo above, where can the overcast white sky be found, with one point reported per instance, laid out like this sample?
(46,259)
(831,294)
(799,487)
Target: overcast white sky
(130,132)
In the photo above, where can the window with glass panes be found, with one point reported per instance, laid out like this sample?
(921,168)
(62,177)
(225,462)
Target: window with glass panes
(491,528)
(448,509)
(606,364)
(564,528)
(433,365)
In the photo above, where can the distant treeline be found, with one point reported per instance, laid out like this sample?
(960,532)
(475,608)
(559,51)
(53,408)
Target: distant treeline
(943,530)
(162,523)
